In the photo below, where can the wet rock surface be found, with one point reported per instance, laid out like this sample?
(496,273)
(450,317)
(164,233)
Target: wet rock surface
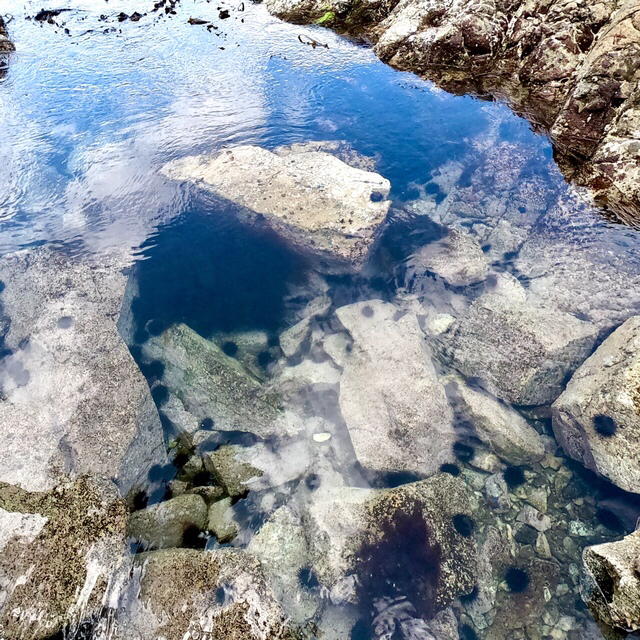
(520,352)
(359,532)
(183,591)
(74,399)
(5,44)
(597,418)
(324,208)
(215,386)
(63,555)
(394,407)
(569,67)
(612,585)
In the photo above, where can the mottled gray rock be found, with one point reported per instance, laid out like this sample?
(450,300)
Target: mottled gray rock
(395,408)
(213,385)
(281,546)
(501,427)
(63,554)
(497,493)
(597,418)
(293,338)
(457,258)
(521,353)
(229,468)
(324,208)
(74,399)
(163,525)
(240,469)
(611,584)
(221,520)
(346,526)
(223,594)
(531,516)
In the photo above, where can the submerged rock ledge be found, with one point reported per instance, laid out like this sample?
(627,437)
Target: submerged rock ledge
(571,68)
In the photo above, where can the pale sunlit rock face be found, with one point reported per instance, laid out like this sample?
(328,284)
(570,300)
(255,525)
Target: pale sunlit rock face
(324,208)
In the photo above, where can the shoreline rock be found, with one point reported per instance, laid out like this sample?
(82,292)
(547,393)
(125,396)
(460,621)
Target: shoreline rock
(570,68)
(6,46)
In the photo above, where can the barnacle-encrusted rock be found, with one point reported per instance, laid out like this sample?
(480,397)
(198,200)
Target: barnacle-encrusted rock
(62,552)
(327,210)
(222,594)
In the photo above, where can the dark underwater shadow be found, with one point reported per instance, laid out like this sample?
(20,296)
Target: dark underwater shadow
(213,272)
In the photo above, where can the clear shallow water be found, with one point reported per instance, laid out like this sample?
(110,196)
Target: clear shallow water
(88,118)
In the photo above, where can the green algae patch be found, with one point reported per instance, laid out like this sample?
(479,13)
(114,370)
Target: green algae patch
(328,18)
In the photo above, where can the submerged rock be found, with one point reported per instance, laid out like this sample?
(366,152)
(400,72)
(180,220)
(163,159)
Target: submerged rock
(521,353)
(74,399)
(232,472)
(570,67)
(221,521)
(597,418)
(281,546)
(395,409)
(405,542)
(163,525)
(188,593)
(62,555)
(501,427)
(212,385)
(324,208)
(611,584)
(457,258)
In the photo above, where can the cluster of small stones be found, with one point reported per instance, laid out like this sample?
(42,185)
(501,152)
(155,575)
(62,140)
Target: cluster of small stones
(532,523)
(546,514)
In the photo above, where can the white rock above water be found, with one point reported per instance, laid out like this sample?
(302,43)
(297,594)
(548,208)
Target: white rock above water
(324,208)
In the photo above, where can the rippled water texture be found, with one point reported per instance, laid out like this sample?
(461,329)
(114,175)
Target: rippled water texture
(92,109)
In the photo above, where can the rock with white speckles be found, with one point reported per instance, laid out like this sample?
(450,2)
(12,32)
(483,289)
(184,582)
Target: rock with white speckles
(324,208)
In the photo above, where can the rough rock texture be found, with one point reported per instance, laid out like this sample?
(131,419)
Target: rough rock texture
(187,593)
(324,208)
(351,530)
(395,408)
(163,525)
(597,418)
(572,68)
(521,353)
(74,399)
(61,552)
(281,546)
(457,258)
(611,585)
(5,44)
(213,385)
(231,472)
(503,429)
